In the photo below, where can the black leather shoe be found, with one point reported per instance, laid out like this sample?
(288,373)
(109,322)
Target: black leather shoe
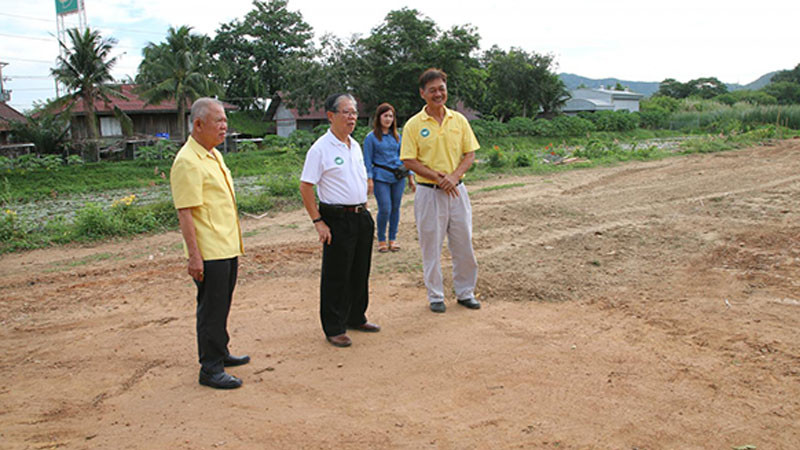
(340,340)
(368,327)
(231,360)
(438,307)
(219,380)
(470,303)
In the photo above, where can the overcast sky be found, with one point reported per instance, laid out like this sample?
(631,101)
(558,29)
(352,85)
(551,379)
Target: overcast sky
(634,40)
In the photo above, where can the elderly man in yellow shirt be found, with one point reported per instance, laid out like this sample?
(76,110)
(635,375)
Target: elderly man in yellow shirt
(439,147)
(202,191)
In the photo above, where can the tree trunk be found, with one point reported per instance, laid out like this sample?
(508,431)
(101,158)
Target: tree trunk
(182,125)
(94,135)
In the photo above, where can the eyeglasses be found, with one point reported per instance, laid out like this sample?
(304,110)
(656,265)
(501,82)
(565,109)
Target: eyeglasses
(349,113)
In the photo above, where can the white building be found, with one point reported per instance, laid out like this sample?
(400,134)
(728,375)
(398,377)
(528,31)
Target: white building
(601,100)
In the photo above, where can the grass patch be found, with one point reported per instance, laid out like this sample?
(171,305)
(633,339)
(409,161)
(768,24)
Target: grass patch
(500,187)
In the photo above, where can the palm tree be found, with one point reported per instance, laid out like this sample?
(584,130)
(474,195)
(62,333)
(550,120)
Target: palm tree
(85,70)
(178,69)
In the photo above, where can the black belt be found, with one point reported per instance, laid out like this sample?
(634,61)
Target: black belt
(434,186)
(349,208)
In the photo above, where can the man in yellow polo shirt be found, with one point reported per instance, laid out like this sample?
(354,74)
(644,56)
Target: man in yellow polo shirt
(439,147)
(202,191)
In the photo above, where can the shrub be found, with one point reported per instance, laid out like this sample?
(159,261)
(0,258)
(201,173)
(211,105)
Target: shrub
(571,126)
(488,128)
(301,139)
(9,225)
(521,126)
(653,119)
(163,149)
(94,222)
(522,159)
(275,141)
(279,185)
(246,146)
(496,159)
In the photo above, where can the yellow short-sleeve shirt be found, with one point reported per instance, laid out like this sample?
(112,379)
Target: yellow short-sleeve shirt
(438,147)
(200,180)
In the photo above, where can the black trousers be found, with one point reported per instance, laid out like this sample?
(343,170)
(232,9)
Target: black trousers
(344,288)
(214,295)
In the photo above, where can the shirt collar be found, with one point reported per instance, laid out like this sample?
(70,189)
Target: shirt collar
(199,150)
(426,116)
(332,137)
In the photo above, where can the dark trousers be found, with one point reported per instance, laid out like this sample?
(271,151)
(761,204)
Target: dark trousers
(214,295)
(344,289)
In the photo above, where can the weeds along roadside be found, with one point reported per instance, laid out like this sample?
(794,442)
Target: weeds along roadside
(126,198)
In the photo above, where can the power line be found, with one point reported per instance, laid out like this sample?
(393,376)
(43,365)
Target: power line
(11,58)
(33,38)
(129,30)
(26,17)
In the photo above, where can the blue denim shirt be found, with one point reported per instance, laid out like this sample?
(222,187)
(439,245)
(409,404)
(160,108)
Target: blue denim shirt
(385,152)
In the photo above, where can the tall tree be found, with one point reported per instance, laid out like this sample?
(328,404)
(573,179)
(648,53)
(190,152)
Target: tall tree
(178,69)
(85,70)
(397,51)
(257,49)
(520,83)
(707,87)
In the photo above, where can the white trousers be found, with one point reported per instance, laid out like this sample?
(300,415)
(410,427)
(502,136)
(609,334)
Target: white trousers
(437,215)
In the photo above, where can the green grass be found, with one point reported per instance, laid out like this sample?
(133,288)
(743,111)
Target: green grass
(500,187)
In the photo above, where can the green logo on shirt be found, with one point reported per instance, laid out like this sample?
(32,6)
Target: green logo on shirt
(339,161)
(425,132)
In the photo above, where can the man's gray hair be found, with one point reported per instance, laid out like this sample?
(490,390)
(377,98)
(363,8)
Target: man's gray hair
(201,106)
(333,100)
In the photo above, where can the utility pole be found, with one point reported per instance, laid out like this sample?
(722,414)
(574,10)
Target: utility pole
(5,96)
(65,8)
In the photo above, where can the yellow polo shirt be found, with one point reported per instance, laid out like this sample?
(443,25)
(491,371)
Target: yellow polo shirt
(203,183)
(437,147)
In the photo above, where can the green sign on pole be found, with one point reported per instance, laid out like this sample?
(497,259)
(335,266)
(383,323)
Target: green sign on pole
(66,6)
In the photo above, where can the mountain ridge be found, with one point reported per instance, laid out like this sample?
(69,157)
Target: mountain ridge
(648,88)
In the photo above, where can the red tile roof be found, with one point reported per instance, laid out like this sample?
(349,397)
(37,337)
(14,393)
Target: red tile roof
(133,104)
(9,114)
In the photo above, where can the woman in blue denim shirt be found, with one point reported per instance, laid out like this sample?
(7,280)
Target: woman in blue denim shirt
(382,158)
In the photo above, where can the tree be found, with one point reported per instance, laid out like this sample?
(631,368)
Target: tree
(673,88)
(708,87)
(333,67)
(786,92)
(257,49)
(85,70)
(47,132)
(390,60)
(520,84)
(178,69)
(792,76)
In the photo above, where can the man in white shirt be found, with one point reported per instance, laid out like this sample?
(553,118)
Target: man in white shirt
(335,165)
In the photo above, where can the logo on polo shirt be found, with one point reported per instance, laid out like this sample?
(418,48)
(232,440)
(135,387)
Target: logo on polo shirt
(339,161)
(425,132)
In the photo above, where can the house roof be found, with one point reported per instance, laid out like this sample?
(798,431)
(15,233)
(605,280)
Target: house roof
(613,93)
(134,104)
(314,112)
(8,115)
(586,104)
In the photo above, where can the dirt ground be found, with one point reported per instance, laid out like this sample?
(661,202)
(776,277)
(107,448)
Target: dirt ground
(649,305)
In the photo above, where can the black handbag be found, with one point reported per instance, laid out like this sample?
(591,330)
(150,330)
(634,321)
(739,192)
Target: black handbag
(399,173)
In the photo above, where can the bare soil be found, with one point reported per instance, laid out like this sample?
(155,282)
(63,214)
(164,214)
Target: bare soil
(649,305)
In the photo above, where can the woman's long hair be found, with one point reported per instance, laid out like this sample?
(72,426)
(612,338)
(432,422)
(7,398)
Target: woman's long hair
(377,128)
